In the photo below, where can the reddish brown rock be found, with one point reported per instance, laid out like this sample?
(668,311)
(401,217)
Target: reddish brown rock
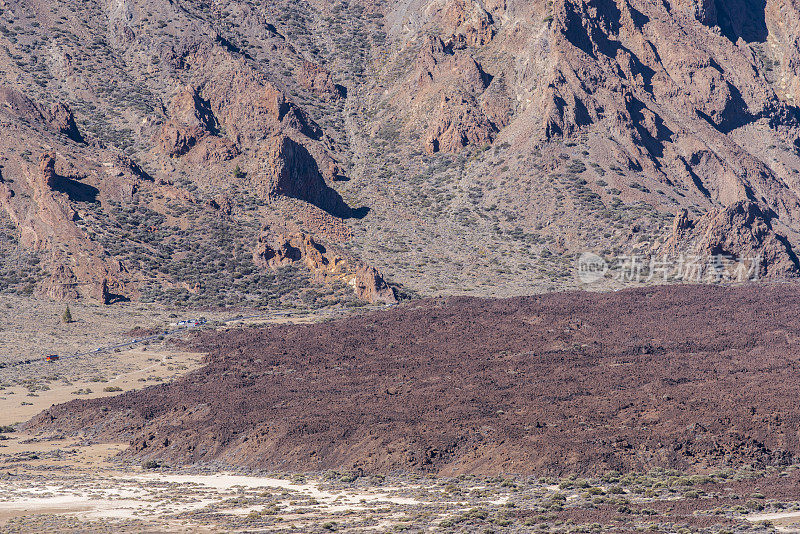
(18,104)
(743,232)
(467,19)
(681,223)
(53,221)
(369,285)
(318,80)
(47,176)
(190,121)
(288,169)
(123,177)
(61,285)
(62,121)
(58,117)
(103,294)
(212,150)
(246,104)
(438,64)
(279,251)
(325,265)
(459,123)
(469,106)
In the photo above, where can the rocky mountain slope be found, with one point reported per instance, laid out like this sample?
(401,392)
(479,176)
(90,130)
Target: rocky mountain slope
(684,377)
(454,145)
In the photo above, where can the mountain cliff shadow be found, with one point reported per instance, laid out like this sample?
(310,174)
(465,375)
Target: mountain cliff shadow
(301,179)
(653,143)
(332,202)
(698,183)
(75,190)
(596,35)
(113,298)
(735,115)
(742,18)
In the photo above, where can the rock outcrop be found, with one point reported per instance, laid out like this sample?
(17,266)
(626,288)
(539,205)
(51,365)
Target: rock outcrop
(319,81)
(53,215)
(52,222)
(369,285)
(468,21)
(669,91)
(325,265)
(288,169)
(122,178)
(458,123)
(741,232)
(57,118)
(472,106)
(246,104)
(439,63)
(190,121)
(61,120)
(19,105)
(62,284)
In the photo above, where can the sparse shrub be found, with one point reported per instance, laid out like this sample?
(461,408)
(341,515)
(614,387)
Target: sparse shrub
(67,317)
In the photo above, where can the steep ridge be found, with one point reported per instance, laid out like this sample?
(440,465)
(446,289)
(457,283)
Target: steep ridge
(457,145)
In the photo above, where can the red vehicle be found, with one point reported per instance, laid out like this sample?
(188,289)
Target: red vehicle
(51,358)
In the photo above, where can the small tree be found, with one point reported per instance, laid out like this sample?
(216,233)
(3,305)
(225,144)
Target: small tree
(67,317)
(238,173)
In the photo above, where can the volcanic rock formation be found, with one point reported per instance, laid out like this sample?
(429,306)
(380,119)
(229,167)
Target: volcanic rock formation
(506,135)
(290,170)
(742,231)
(326,266)
(190,121)
(694,378)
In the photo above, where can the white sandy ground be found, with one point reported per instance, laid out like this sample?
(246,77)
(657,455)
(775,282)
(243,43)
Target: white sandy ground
(148,495)
(782,521)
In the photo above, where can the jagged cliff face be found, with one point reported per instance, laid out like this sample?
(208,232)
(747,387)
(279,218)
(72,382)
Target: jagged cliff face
(689,95)
(607,105)
(457,145)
